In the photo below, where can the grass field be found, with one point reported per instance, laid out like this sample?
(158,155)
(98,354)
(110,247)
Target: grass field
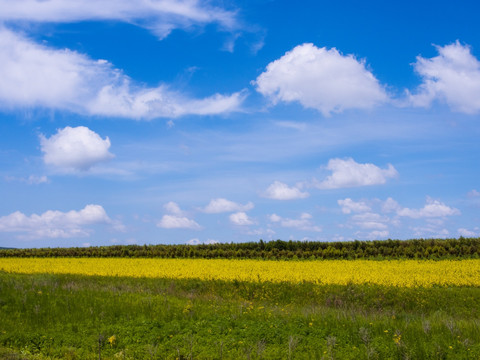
(73,316)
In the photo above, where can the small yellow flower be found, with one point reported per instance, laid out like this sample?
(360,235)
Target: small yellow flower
(112,340)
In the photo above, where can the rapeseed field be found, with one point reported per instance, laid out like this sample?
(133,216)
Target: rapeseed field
(398,273)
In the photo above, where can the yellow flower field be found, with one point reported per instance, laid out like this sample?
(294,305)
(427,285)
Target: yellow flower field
(401,273)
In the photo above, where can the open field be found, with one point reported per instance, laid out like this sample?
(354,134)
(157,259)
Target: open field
(403,273)
(48,315)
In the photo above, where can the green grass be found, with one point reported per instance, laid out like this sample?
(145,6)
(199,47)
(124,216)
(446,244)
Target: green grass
(73,317)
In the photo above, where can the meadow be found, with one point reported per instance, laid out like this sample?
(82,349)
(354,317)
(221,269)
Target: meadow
(141,308)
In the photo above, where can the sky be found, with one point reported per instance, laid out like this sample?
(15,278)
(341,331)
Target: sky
(192,122)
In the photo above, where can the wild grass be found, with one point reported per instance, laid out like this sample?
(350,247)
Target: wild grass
(79,317)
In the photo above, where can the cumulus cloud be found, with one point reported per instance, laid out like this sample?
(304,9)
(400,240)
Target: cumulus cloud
(432,209)
(37,75)
(173,208)
(378,234)
(302,223)
(370,220)
(261,232)
(390,205)
(371,224)
(56,224)
(211,242)
(177,222)
(452,77)
(75,149)
(240,218)
(466,233)
(281,191)
(321,78)
(348,173)
(348,206)
(160,17)
(430,231)
(176,218)
(221,205)
(194,241)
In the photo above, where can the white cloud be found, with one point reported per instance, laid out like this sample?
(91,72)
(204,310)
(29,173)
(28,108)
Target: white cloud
(194,241)
(378,234)
(370,220)
(302,223)
(348,173)
(56,224)
(275,218)
(260,232)
(433,208)
(466,233)
(390,205)
(31,180)
(337,237)
(240,218)
(177,222)
(348,206)
(322,79)
(373,225)
(211,242)
(176,218)
(123,101)
(221,205)
(473,193)
(430,231)
(76,148)
(299,126)
(453,77)
(281,191)
(160,17)
(36,75)
(173,208)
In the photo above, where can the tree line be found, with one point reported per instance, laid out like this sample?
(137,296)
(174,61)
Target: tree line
(276,249)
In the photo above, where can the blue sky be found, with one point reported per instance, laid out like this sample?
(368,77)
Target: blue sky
(195,121)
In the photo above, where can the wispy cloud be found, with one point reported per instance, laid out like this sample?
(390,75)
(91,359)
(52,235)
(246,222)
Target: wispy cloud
(30,180)
(35,75)
(158,16)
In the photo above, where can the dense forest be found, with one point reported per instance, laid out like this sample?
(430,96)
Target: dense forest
(278,249)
